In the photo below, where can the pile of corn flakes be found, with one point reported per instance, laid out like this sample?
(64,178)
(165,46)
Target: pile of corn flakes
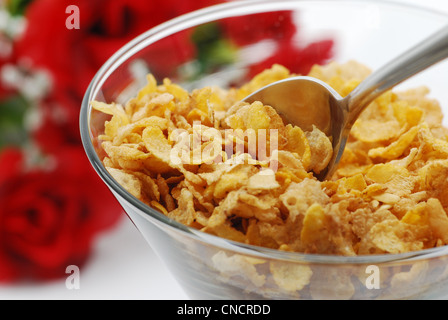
(236,170)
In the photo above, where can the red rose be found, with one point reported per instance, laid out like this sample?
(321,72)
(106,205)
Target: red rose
(47,221)
(72,57)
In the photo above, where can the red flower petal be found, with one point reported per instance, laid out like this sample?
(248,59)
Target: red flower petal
(297,59)
(11,162)
(273,25)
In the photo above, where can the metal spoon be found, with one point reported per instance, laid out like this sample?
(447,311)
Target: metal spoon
(306,101)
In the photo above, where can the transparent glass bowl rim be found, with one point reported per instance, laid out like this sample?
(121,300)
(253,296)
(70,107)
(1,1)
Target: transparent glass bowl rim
(190,20)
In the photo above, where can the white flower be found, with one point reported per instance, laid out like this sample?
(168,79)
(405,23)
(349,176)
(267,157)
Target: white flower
(11,26)
(34,85)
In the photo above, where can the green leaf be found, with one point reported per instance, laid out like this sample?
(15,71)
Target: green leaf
(214,50)
(12,126)
(222,52)
(17,7)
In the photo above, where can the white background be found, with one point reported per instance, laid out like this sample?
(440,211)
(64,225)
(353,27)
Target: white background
(123,265)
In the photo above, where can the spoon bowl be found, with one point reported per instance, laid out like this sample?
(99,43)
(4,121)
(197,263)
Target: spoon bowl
(306,101)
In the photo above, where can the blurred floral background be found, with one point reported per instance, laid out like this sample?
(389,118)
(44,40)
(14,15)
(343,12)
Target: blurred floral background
(52,204)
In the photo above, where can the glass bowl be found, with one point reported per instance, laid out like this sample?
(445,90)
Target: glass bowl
(209,267)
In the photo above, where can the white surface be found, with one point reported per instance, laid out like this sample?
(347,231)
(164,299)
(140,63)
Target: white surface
(123,265)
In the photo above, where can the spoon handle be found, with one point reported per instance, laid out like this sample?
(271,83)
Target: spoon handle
(418,58)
